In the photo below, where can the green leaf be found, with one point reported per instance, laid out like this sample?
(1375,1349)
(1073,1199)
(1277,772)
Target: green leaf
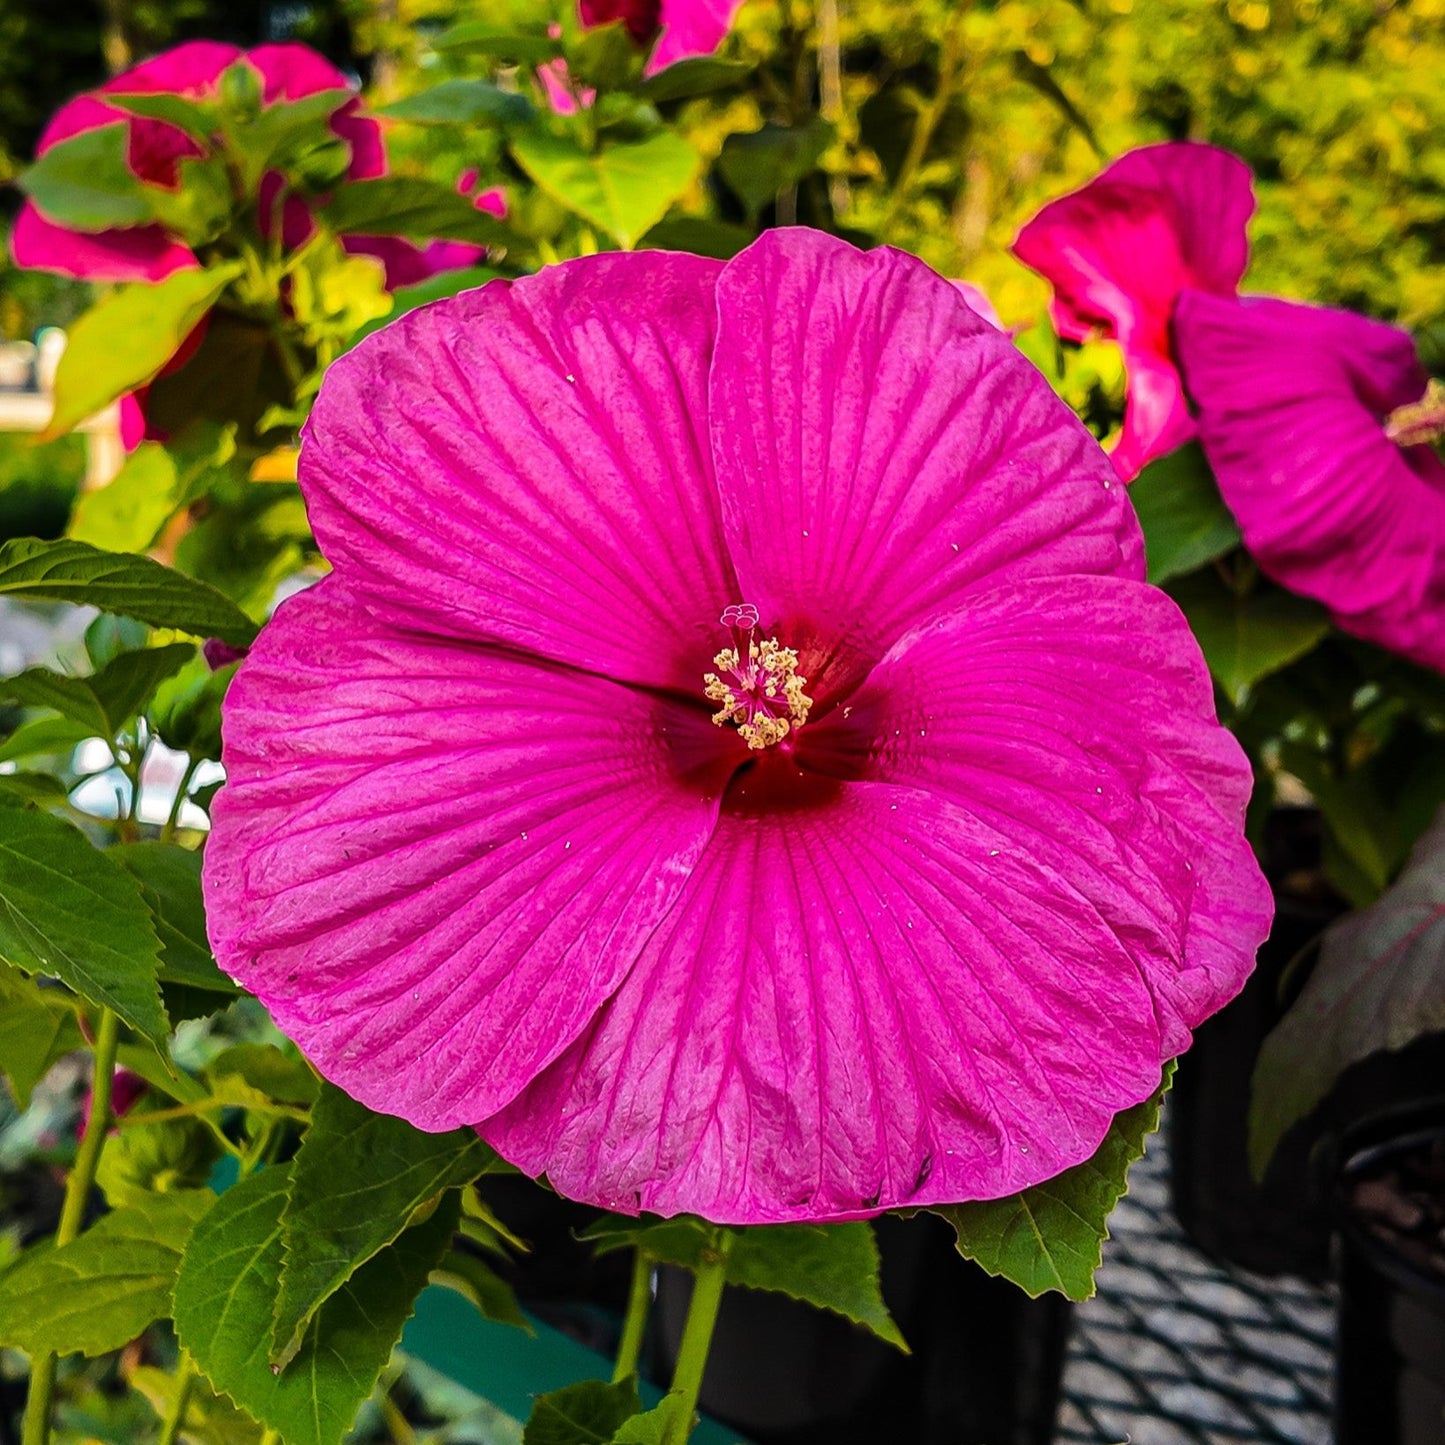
(717,239)
(269,1070)
(697,75)
(462,102)
(410,206)
(227,1288)
(1051,1237)
(625,188)
(68,911)
(1184,519)
(127,514)
(282,130)
(104,702)
(197,121)
(99,1292)
(605,57)
(37,1026)
(649,1428)
(1246,638)
(125,339)
(84,183)
(169,878)
(480,1283)
(120,582)
(516,47)
(44,737)
(1379,983)
(589,1413)
(210,1419)
(761,163)
(355,1185)
(830,1266)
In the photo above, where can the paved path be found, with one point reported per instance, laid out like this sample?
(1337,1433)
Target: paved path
(1176,1350)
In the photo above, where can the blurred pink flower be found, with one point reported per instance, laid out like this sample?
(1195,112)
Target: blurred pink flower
(126,1090)
(682,28)
(408,264)
(1120,250)
(1293,403)
(155,149)
(735,760)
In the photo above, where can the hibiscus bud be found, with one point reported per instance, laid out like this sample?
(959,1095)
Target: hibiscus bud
(240,91)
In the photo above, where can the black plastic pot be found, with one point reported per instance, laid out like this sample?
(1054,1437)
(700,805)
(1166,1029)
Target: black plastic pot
(985,1366)
(1390,1342)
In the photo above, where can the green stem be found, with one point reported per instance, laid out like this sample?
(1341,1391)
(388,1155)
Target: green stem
(634,1324)
(72,1212)
(950,64)
(175,1416)
(707,1288)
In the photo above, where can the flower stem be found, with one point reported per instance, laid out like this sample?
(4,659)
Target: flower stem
(634,1324)
(707,1288)
(72,1213)
(950,65)
(175,1416)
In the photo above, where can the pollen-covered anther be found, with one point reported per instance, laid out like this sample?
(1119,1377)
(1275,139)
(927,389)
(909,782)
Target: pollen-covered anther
(756,685)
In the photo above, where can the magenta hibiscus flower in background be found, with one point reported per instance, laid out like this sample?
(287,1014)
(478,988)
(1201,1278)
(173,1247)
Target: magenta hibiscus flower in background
(1119,251)
(735,762)
(682,28)
(155,150)
(1294,404)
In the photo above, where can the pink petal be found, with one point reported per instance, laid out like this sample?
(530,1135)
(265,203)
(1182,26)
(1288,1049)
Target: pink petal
(75,117)
(1292,401)
(137,253)
(691,27)
(427,860)
(1119,251)
(191,69)
(979,303)
(940,980)
(881,451)
(865,1005)
(528,464)
(292,72)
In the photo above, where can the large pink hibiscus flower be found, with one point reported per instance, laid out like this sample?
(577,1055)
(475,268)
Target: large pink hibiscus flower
(155,150)
(1293,404)
(735,762)
(1119,251)
(682,28)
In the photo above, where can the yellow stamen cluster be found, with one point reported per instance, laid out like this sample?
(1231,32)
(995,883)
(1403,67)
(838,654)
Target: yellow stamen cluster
(765,697)
(1420,421)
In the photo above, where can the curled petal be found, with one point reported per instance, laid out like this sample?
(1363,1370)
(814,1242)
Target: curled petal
(427,861)
(882,450)
(1292,402)
(528,464)
(1119,251)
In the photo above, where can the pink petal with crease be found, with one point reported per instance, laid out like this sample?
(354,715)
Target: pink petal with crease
(1292,401)
(882,450)
(139,253)
(1119,251)
(528,464)
(427,862)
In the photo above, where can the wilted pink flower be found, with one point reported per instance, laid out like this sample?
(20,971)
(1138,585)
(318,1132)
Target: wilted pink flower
(734,762)
(155,150)
(1293,404)
(1120,250)
(682,28)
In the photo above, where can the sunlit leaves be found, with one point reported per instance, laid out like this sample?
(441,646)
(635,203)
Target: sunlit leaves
(125,339)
